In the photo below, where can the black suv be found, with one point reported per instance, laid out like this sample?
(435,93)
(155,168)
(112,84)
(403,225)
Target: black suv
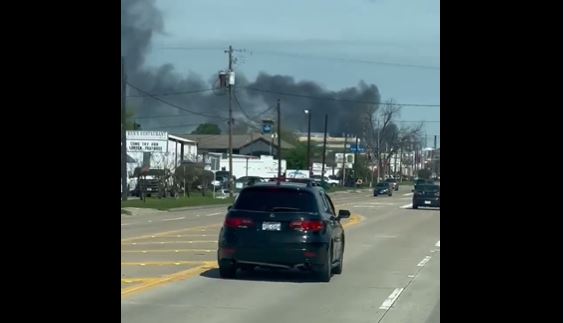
(427,195)
(282,225)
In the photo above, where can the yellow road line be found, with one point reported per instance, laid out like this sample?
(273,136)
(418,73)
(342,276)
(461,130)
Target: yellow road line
(186,274)
(353,220)
(150,283)
(162,263)
(160,234)
(186,235)
(137,280)
(167,250)
(166,242)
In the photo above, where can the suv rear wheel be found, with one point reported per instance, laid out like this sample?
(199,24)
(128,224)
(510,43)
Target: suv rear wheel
(227,269)
(339,269)
(324,273)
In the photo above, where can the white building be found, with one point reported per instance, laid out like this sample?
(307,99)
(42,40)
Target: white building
(243,165)
(158,149)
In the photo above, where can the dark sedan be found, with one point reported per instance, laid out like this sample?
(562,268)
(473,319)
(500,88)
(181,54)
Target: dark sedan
(427,195)
(383,188)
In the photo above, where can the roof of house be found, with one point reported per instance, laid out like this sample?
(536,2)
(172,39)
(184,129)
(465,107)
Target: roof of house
(180,138)
(238,141)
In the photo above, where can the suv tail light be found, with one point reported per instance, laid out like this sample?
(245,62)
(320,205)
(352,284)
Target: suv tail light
(307,225)
(238,223)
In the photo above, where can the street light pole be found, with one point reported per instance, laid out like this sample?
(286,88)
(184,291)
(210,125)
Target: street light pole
(378,149)
(324,149)
(308,139)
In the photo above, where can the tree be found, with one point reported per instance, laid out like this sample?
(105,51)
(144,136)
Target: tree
(424,173)
(296,158)
(130,123)
(207,129)
(362,168)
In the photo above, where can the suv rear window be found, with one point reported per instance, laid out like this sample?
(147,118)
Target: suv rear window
(274,199)
(427,188)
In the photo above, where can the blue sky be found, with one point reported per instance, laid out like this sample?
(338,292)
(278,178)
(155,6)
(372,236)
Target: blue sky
(335,43)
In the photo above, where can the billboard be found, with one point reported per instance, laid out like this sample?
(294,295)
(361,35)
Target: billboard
(147,141)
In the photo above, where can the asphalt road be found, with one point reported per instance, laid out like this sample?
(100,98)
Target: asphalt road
(391,270)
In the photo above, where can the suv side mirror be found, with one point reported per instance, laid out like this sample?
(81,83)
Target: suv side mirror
(343,214)
(229,207)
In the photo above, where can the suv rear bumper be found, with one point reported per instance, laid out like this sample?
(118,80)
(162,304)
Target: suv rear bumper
(427,201)
(311,254)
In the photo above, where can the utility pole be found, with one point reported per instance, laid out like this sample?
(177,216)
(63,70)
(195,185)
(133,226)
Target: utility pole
(279,151)
(356,152)
(344,159)
(324,148)
(400,158)
(378,149)
(230,88)
(124,188)
(396,164)
(433,163)
(308,112)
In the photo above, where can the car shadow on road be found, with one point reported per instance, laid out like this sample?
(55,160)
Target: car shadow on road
(267,275)
(422,208)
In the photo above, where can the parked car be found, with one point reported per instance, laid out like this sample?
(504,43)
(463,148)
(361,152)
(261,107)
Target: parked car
(427,195)
(394,182)
(383,188)
(245,181)
(331,182)
(282,225)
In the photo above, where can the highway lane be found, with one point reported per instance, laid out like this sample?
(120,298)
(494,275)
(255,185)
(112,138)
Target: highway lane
(391,274)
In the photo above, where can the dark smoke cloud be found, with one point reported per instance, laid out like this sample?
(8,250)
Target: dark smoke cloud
(343,116)
(141,20)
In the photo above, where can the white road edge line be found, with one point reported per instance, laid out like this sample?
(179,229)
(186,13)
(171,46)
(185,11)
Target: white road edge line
(406,206)
(438,244)
(217,213)
(424,261)
(174,219)
(407,194)
(388,302)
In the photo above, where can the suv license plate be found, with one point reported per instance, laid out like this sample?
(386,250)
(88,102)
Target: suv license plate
(427,202)
(271,226)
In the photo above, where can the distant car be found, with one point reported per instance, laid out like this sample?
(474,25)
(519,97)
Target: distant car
(282,225)
(331,182)
(383,188)
(245,181)
(427,195)
(394,182)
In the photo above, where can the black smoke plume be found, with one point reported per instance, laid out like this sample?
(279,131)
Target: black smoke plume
(141,19)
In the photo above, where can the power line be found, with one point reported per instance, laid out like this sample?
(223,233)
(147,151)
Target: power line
(171,93)
(161,116)
(242,110)
(172,126)
(172,104)
(340,100)
(251,123)
(343,59)
(424,121)
(193,48)
(308,56)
